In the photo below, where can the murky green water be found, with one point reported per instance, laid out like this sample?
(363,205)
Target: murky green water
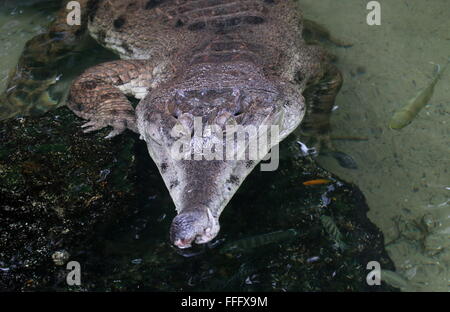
(403,174)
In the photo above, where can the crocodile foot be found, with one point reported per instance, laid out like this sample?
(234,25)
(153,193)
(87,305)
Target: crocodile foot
(118,125)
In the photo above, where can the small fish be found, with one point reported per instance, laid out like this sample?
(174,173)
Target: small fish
(407,113)
(333,231)
(345,160)
(313,259)
(316,182)
(253,242)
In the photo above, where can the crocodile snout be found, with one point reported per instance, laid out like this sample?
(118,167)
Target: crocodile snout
(197,226)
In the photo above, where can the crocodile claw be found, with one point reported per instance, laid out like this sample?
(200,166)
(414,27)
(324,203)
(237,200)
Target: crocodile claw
(92,125)
(114,132)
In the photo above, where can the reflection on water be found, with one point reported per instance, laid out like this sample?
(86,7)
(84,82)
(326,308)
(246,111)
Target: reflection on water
(404,174)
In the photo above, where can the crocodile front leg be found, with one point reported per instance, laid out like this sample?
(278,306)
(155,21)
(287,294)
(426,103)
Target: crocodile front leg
(37,69)
(99,94)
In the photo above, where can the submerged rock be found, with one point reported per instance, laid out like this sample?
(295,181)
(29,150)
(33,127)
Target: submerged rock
(52,195)
(101,201)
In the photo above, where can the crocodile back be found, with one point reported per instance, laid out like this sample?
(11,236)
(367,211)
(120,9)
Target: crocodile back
(199,31)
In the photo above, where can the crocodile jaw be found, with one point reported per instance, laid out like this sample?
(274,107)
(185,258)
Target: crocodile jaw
(200,189)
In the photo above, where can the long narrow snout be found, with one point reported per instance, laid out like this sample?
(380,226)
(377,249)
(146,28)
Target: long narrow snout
(206,137)
(197,225)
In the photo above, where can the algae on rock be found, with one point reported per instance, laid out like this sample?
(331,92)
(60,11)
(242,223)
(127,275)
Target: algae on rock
(103,203)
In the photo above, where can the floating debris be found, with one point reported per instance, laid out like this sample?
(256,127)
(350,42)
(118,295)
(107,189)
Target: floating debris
(253,242)
(103,174)
(305,150)
(250,280)
(407,113)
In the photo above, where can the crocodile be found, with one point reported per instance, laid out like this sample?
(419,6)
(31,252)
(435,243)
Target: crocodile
(229,62)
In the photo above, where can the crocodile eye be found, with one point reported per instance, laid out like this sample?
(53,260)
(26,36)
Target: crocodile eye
(173,110)
(152,132)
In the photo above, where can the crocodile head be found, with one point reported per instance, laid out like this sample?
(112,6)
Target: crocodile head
(190,131)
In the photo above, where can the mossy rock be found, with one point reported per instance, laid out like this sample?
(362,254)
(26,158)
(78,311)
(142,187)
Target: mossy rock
(54,192)
(104,202)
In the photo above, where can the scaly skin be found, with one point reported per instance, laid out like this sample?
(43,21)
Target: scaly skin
(229,62)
